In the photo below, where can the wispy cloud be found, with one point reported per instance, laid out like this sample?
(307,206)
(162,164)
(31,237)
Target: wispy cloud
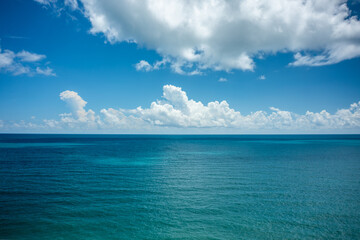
(46,71)
(46,2)
(262,77)
(15,37)
(23,62)
(26,56)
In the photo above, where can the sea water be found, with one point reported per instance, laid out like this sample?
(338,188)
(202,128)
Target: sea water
(179,186)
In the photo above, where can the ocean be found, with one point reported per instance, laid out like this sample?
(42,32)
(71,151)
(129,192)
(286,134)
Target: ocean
(179,186)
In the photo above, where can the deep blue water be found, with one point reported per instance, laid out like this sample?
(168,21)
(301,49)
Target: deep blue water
(179,187)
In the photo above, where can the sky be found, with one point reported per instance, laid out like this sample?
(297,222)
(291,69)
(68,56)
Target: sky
(202,67)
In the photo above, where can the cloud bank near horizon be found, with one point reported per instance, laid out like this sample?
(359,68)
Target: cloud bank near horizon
(193,36)
(176,110)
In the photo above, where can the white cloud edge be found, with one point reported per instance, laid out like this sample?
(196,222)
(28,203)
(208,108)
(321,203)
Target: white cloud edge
(176,112)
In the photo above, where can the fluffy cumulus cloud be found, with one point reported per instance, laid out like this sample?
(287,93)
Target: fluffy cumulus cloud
(78,117)
(176,111)
(23,62)
(228,34)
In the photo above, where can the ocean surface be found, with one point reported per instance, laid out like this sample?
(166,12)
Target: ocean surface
(179,187)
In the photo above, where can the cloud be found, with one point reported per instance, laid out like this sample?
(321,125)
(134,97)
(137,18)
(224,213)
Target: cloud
(23,62)
(222,79)
(262,77)
(61,6)
(143,66)
(46,71)
(78,116)
(229,34)
(177,67)
(45,2)
(73,4)
(176,111)
(26,56)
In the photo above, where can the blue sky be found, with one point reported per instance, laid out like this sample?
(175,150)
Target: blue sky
(64,45)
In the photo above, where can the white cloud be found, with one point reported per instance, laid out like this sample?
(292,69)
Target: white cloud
(222,79)
(176,66)
(76,103)
(26,56)
(22,63)
(46,71)
(73,4)
(78,116)
(45,2)
(6,58)
(143,66)
(262,77)
(176,111)
(229,34)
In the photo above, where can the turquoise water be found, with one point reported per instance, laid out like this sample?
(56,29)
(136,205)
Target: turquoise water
(179,187)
